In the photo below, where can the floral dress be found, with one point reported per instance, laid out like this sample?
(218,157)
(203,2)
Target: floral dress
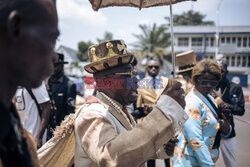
(198,135)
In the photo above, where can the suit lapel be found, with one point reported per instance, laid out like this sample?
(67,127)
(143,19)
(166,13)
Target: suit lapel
(205,101)
(164,84)
(147,91)
(116,113)
(120,118)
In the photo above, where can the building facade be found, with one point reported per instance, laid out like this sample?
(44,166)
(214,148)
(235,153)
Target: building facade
(234,44)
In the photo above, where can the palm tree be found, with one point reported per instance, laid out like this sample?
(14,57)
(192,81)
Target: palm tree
(153,41)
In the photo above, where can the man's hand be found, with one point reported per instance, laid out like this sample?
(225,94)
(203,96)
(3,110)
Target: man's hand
(224,124)
(147,109)
(216,93)
(169,147)
(39,142)
(225,108)
(177,93)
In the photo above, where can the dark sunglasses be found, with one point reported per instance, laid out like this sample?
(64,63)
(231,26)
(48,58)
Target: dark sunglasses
(156,67)
(204,83)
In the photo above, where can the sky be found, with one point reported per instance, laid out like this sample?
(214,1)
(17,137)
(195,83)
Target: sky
(79,22)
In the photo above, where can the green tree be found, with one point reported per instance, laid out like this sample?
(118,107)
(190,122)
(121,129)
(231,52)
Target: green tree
(108,36)
(82,53)
(190,18)
(153,41)
(75,64)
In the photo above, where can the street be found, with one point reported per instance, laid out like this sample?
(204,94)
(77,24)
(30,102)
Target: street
(242,127)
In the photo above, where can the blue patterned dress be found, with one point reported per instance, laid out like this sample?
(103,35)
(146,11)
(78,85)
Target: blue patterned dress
(197,137)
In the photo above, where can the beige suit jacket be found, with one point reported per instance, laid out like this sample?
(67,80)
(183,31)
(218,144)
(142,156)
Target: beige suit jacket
(147,94)
(105,138)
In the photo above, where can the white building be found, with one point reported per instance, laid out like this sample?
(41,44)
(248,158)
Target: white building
(234,44)
(70,56)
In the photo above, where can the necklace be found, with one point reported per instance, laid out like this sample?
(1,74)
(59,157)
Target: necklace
(118,109)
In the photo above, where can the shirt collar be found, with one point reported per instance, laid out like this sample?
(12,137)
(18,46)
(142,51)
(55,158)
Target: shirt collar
(157,77)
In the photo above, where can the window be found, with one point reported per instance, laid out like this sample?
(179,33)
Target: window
(248,64)
(227,59)
(228,39)
(239,42)
(182,41)
(210,57)
(207,41)
(222,39)
(244,61)
(238,61)
(196,41)
(245,42)
(212,41)
(233,61)
(233,40)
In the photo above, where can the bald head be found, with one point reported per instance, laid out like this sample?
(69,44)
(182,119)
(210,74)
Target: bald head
(153,68)
(153,62)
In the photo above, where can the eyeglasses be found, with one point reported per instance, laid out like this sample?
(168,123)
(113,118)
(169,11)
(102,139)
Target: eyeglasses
(156,67)
(204,83)
(131,74)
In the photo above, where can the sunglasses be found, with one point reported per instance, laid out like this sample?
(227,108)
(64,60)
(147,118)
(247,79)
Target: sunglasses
(131,74)
(204,83)
(156,67)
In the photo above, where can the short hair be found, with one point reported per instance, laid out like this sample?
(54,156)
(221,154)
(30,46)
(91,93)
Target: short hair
(206,66)
(26,8)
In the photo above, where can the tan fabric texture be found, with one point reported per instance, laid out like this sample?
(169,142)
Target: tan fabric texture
(96,4)
(104,139)
(148,95)
(59,151)
(103,146)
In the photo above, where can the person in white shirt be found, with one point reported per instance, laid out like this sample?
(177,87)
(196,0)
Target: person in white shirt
(34,119)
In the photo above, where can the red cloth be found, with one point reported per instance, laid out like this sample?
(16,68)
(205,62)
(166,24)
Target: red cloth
(124,109)
(91,99)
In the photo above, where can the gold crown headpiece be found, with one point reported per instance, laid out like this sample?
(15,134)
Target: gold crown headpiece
(106,55)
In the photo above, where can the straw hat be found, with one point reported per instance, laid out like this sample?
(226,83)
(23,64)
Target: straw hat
(106,55)
(186,61)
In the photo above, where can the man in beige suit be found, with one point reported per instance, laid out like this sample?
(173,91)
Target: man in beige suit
(151,87)
(106,134)
(149,90)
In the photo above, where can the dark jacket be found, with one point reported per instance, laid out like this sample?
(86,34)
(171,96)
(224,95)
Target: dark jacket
(63,93)
(237,107)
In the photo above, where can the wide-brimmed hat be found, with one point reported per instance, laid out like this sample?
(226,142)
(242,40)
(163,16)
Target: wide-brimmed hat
(186,61)
(61,59)
(106,55)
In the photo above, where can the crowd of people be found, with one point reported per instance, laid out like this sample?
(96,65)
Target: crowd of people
(127,122)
